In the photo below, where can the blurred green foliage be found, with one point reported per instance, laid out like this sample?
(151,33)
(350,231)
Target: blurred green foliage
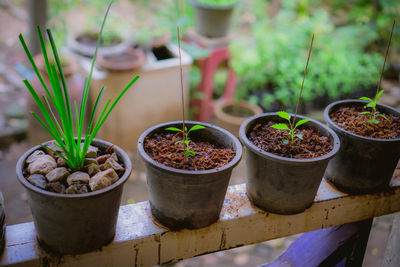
(217,3)
(271,58)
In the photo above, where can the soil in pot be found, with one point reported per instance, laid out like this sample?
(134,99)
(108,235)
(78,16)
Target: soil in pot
(350,119)
(46,170)
(238,111)
(162,52)
(313,145)
(127,60)
(162,147)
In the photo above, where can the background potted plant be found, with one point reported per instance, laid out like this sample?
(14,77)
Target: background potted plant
(286,157)
(188,167)
(212,17)
(74,183)
(370,134)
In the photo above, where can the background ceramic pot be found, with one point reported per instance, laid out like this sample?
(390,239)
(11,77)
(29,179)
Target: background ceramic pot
(363,164)
(279,184)
(74,224)
(188,199)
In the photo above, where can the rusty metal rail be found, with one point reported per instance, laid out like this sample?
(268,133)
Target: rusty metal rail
(140,241)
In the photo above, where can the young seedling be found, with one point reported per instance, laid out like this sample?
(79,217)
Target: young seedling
(186,141)
(292,125)
(62,128)
(372,102)
(291,129)
(184,130)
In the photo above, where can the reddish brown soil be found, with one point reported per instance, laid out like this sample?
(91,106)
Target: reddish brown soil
(350,119)
(271,140)
(162,148)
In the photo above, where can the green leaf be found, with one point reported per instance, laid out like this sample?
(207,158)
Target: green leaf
(365,112)
(374,121)
(173,129)
(284,115)
(378,94)
(300,122)
(366,98)
(300,136)
(285,142)
(383,116)
(189,153)
(371,104)
(186,142)
(280,126)
(196,127)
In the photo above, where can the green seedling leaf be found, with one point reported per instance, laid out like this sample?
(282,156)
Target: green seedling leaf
(280,126)
(285,142)
(365,98)
(173,129)
(374,121)
(186,142)
(371,105)
(196,127)
(300,122)
(189,153)
(383,116)
(378,94)
(300,136)
(365,112)
(284,115)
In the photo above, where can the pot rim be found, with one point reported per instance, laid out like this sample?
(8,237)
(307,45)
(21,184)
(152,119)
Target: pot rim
(265,154)
(152,162)
(356,136)
(29,186)
(220,113)
(196,3)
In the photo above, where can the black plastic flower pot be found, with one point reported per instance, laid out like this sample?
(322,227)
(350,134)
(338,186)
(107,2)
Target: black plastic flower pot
(212,21)
(188,199)
(279,184)
(363,164)
(75,224)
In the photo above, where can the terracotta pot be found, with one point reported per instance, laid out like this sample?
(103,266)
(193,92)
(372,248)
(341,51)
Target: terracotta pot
(127,60)
(74,224)
(87,49)
(230,115)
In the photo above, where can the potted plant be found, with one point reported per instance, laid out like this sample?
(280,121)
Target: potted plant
(213,16)
(370,134)
(74,183)
(230,114)
(286,157)
(188,167)
(129,59)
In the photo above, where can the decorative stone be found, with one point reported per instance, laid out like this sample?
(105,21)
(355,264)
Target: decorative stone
(103,179)
(89,161)
(42,165)
(78,178)
(61,162)
(77,189)
(52,147)
(92,169)
(57,174)
(91,152)
(111,163)
(56,187)
(37,180)
(34,156)
(101,159)
(114,156)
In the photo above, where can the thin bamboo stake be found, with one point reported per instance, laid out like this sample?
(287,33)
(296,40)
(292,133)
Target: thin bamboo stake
(183,97)
(304,77)
(384,62)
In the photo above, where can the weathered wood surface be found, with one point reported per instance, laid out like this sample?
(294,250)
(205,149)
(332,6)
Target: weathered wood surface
(392,253)
(140,241)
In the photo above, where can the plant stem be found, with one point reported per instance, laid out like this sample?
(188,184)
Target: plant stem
(384,62)
(304,77)
(183,97)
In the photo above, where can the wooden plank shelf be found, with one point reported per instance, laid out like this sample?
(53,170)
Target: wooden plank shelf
(140,241)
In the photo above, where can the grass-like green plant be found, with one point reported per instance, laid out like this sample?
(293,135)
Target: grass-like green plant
(372,104)
(185,140)
(217,3)
(60,122)
(290,127)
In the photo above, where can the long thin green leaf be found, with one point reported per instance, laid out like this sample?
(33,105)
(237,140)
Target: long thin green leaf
(60,131)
